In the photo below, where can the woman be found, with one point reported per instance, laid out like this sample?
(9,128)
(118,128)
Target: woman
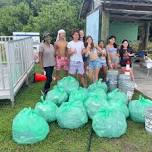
(47,60)
(113,52)
(94,62)
(82,35)
(104,59)
(126,52)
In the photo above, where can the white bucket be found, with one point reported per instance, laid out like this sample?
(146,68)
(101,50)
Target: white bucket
(148,120)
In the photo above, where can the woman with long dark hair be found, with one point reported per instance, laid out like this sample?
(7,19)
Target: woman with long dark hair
(94,62)
(104,59)
(113,52)
(126,52)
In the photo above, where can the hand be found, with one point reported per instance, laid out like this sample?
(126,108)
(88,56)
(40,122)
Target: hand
(74,51)
(44,72)
(111,67)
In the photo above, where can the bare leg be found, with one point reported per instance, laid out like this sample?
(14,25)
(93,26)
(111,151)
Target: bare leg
(81,78)
(132,74)
(85,68)
(96,74)
(65,73)
(104,69)
(58,73)
(90,75)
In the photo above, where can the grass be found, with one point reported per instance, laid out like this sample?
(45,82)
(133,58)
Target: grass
(63,140)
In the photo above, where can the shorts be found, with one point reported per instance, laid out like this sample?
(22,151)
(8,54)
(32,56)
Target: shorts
(124,64)
(85,59)
(94,64)
(62,63)
(115,60)
(103,62)
(76,67)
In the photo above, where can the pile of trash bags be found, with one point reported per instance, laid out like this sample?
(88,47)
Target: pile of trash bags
(71,106)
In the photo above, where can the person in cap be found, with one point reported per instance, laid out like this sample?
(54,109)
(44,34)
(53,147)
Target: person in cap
(47,59)
(61,54)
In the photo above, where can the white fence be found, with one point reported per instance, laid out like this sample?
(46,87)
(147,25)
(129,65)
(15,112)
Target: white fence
(16,61)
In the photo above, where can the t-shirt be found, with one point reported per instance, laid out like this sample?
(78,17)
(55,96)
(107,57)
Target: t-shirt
(124,58)
(78,46)
(48,55)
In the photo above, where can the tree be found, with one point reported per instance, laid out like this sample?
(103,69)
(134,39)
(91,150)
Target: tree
(13,18)
(59,15)
(40,16)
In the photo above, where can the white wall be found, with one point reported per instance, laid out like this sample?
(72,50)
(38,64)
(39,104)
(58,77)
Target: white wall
(92,25)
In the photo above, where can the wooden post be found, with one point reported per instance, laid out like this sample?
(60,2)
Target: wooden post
(105,25)
(147,28)
(144,37)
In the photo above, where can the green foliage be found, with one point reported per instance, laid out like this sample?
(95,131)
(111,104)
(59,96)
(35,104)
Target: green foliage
(40,16)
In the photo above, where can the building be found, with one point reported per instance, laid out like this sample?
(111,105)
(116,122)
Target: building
(121,18)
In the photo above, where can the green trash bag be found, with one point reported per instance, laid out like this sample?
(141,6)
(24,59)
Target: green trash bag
(98,92)
(109,123)
(57,95)
(72,115)
(47,110)
(69,84)
(78,95)
(137,109)
(119,105)
(93,104)
(118,95)
(98,84)
(28,127)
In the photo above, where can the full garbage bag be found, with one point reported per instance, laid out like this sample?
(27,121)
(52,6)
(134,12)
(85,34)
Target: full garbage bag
(93,103)
(118,95)
(72,115)
(109,122)
(69,84)
(80,94)
(119,105)
(98,84)
(47,110)
(137,109)
(57,95)
(28,127)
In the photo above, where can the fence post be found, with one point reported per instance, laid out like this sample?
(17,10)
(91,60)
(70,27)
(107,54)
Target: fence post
(11,88)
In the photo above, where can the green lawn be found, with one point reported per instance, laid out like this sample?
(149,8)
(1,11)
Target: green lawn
(63,140)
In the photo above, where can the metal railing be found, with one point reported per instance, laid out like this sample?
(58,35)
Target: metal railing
(16,60)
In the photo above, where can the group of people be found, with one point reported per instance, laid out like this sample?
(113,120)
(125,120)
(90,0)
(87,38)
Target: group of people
(81,57)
